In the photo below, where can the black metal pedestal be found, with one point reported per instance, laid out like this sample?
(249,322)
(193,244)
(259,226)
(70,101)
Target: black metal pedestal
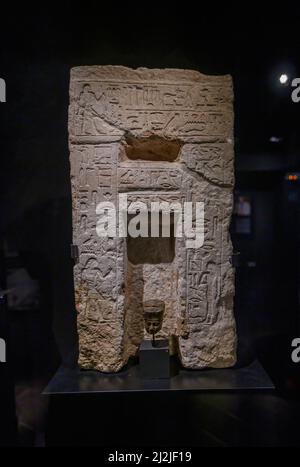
(154,359)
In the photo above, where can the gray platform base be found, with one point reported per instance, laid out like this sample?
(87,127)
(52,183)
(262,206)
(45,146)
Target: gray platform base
(250,378)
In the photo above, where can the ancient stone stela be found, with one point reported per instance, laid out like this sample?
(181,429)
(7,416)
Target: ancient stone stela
(156,135)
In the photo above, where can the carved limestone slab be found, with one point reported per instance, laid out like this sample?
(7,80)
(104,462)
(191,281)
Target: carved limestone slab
(152,135)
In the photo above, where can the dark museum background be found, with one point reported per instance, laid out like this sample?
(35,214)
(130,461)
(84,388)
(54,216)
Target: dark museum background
(36,53)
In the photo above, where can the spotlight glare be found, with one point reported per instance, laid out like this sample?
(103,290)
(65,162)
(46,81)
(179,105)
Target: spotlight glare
(283,78)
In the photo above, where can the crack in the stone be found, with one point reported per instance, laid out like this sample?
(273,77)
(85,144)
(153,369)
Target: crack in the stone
(202,177)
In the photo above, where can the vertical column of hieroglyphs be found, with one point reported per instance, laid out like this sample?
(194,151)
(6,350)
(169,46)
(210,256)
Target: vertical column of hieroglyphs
(94,151)
(210,337)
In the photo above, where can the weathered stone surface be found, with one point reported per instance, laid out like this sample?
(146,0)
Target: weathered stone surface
(157,135)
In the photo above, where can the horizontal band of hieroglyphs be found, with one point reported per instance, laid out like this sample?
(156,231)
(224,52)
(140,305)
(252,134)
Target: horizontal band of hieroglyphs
(103,108)
(130,178)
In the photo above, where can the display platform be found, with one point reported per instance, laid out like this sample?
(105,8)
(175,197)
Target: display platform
(249,378)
